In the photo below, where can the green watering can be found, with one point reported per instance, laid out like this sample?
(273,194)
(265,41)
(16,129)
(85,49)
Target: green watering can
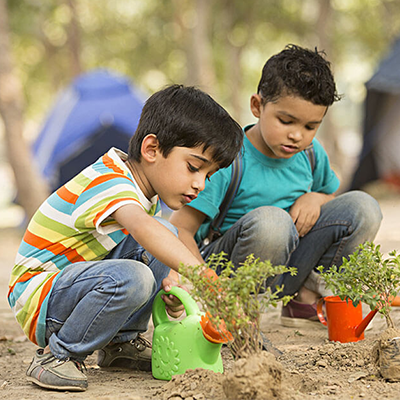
(184,344)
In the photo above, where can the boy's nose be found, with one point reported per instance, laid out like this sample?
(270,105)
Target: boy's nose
(295,135)
(199,184)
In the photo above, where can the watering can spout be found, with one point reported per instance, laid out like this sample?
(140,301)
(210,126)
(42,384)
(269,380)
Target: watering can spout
(212,334)
(364,323)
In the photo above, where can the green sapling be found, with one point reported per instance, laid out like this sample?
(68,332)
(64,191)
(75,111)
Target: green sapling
(367,276)
(237,297)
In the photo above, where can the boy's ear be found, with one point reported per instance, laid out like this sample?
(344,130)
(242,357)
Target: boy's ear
(255,105)
(149,148)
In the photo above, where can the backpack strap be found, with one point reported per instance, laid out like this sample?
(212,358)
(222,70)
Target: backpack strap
(310,153)
(236,176)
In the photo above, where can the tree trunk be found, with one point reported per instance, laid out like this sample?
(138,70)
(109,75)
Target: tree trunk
(31,188)
(233,71)
(74,39)
(234,74)
(201,71)
(324,32)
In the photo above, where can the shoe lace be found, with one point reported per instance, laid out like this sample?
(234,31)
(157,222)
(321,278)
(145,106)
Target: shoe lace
(51,358)
(79,364)
(141,341)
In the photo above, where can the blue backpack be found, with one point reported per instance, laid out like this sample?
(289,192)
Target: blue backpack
(214,231)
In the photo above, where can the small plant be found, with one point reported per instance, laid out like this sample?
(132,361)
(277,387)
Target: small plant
(367,277)
(234,298)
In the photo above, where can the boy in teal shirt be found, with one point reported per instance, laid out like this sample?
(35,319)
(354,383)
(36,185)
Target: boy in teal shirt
(285,209)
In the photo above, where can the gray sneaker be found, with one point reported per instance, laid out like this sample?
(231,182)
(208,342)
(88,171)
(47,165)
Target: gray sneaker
(135,354)
(49,372)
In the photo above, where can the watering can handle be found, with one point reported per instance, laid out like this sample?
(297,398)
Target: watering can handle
(320,313)
(159,313)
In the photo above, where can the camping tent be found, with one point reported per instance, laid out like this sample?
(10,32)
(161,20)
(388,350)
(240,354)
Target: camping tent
(379,157)
(97,111)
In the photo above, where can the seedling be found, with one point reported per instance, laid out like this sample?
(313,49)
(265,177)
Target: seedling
(368,277)
(237,297)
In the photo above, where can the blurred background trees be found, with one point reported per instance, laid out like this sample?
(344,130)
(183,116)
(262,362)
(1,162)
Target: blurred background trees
(219,45)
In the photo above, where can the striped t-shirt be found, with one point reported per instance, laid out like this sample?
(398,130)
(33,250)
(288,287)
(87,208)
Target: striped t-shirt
(72,225)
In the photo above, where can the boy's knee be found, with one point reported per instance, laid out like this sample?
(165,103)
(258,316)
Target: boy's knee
(269,233)
(365,214)
(364,206)
(271,220)
(272,225)
(135,280)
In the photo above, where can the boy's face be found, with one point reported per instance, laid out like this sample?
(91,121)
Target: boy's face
(285,127)
(180,177)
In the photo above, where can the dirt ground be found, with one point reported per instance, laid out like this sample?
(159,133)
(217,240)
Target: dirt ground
(313,367)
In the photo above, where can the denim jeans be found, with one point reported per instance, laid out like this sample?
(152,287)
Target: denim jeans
(98,302)
(270,234)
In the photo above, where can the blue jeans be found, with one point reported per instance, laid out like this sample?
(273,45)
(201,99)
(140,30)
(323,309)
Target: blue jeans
(98,302)
(270,234)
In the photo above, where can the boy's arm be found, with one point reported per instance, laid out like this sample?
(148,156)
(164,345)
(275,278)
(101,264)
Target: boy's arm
(173,306)
(154,237)
(306,210)
(188,221)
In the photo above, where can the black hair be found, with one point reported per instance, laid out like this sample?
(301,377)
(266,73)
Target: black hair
(299,72)
(184,116)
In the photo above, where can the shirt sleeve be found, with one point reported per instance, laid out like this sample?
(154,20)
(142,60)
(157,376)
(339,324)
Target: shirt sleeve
(324,178)
(97,203)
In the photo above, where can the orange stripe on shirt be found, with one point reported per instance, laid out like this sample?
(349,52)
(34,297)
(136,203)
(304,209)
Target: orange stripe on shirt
(56,248)
(66,195)
(99,214)
(104,178)
(23,278)
(109,163)
(36,241)
(45,290)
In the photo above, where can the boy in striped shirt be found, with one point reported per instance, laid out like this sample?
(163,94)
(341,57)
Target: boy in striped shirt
(96,252)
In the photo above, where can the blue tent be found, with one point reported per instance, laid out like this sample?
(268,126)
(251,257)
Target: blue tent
(99,110)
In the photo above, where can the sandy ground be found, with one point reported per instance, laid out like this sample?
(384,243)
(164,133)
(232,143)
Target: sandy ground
(313,366)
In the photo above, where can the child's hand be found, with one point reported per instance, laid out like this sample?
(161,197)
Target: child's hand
(173,306)
(306,210)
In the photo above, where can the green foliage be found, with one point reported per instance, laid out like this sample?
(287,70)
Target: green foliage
(151,41)
(237,297)
(368,277)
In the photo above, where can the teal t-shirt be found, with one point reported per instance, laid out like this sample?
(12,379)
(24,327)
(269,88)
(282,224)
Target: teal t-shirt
(265,182)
